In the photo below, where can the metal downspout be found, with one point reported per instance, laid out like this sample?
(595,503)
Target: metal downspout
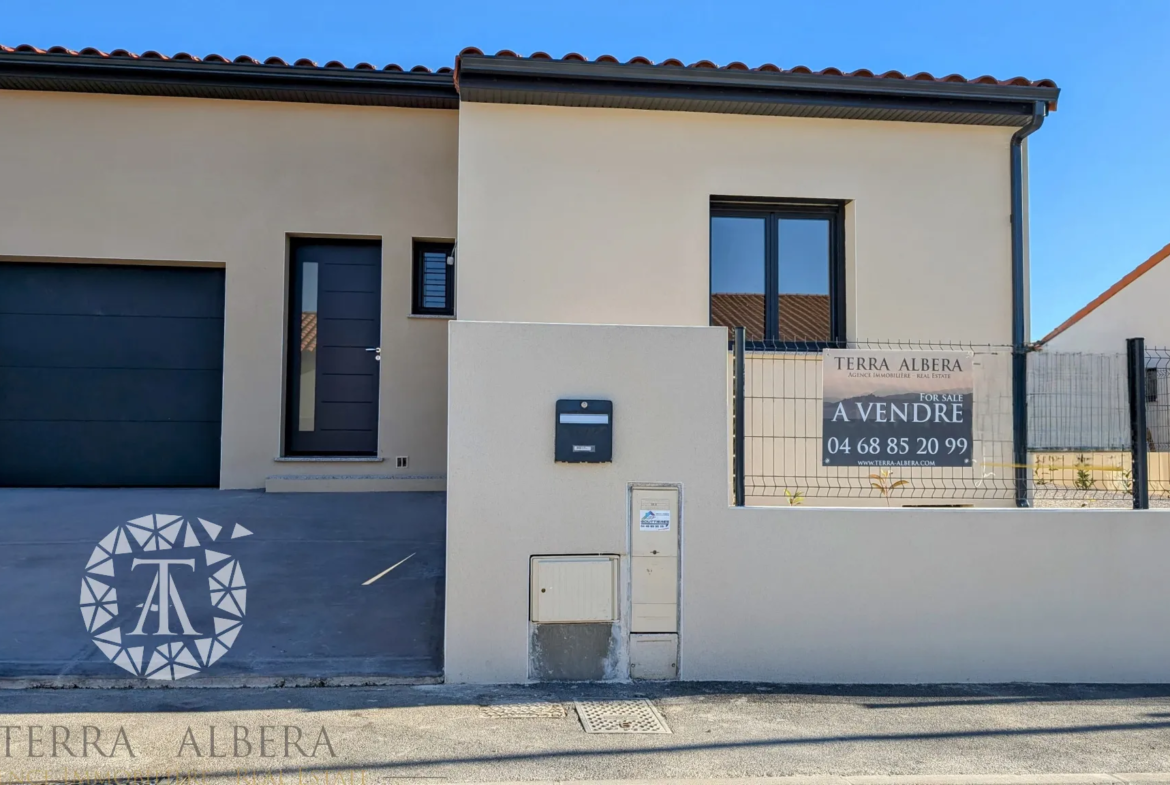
(1019,308)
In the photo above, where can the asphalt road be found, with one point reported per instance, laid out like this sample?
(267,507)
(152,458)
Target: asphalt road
(439,732)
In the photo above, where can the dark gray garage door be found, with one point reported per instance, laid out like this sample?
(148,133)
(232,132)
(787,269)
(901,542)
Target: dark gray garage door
(110,375)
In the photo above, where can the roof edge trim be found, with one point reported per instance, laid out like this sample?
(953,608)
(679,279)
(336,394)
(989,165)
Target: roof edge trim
(213,79)
(546,74)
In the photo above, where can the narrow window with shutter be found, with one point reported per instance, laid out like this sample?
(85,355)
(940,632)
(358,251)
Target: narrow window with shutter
(434,279)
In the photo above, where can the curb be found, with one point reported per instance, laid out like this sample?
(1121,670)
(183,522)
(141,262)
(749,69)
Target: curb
(213,682)
(1131,778)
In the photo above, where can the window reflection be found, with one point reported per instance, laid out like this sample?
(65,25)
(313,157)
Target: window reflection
(307,389)
(803,276)
(737,274)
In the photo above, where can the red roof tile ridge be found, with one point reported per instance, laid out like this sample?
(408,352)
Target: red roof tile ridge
(639,60)
(187,57)
(670,62)
(1109,293)
(863,73)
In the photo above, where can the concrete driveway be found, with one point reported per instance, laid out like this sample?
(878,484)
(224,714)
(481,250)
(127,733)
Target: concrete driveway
(256,587)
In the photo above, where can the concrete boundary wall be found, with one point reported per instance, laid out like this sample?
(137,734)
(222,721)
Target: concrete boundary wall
(771,594)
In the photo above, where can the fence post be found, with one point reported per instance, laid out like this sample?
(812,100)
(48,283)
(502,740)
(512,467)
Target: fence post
(739,425)
(1020,422)
(1139,447)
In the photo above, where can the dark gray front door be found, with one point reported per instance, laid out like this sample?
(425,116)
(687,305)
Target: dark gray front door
(334,329)
(110,375)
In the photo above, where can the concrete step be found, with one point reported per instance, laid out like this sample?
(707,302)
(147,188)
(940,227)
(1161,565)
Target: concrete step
(354,483)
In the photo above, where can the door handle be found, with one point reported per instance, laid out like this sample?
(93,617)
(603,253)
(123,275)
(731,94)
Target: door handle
(377,350)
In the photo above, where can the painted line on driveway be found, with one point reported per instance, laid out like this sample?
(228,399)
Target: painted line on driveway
(383,572)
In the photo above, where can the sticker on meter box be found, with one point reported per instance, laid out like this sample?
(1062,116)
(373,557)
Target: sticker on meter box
(654,521)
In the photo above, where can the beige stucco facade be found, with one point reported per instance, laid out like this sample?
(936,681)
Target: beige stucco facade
(139,180)
(800,594)
(583,215)
(587,215)
(566,215)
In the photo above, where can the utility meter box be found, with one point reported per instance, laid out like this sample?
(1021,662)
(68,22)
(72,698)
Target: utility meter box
(584,431)
(574,589)
(654,559)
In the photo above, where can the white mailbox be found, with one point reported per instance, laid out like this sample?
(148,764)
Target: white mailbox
(574,589)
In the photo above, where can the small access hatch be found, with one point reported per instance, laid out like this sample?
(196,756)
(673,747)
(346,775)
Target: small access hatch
(574,589)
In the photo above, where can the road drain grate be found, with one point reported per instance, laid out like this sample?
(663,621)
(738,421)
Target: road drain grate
(620,716)
(523,711)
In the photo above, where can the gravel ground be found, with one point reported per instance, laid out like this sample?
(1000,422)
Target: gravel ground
(1111,503)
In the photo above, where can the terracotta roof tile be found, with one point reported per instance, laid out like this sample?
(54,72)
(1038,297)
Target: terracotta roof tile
(803,317)
(862,73)
(303,62)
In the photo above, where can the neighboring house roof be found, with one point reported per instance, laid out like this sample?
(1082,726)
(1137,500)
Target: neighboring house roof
(507,77)
(803,317)
(1109,293)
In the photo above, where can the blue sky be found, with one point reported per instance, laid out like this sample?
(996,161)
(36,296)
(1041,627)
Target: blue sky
(1100,167)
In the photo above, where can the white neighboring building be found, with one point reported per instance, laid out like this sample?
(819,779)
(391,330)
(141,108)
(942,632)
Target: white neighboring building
(1134,307)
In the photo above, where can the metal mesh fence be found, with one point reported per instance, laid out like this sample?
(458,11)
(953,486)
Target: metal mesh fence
(1078,433)
(1078,429)
(1158,423)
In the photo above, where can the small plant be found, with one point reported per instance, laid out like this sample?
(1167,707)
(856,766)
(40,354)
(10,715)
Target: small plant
(885,483)
(1042,472)
(1084,480)
(794,499)
(1126,480)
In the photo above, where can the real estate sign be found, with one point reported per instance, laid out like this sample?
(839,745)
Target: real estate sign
(897,408)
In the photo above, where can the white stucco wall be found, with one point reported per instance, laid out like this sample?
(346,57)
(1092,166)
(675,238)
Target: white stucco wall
(191,181)
(602,215)
(778,594)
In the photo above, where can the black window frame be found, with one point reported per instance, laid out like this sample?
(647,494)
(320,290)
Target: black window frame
(772,210)
(422,247)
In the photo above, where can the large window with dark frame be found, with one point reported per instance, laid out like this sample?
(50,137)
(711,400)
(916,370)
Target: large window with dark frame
(434,279)
(777,270)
